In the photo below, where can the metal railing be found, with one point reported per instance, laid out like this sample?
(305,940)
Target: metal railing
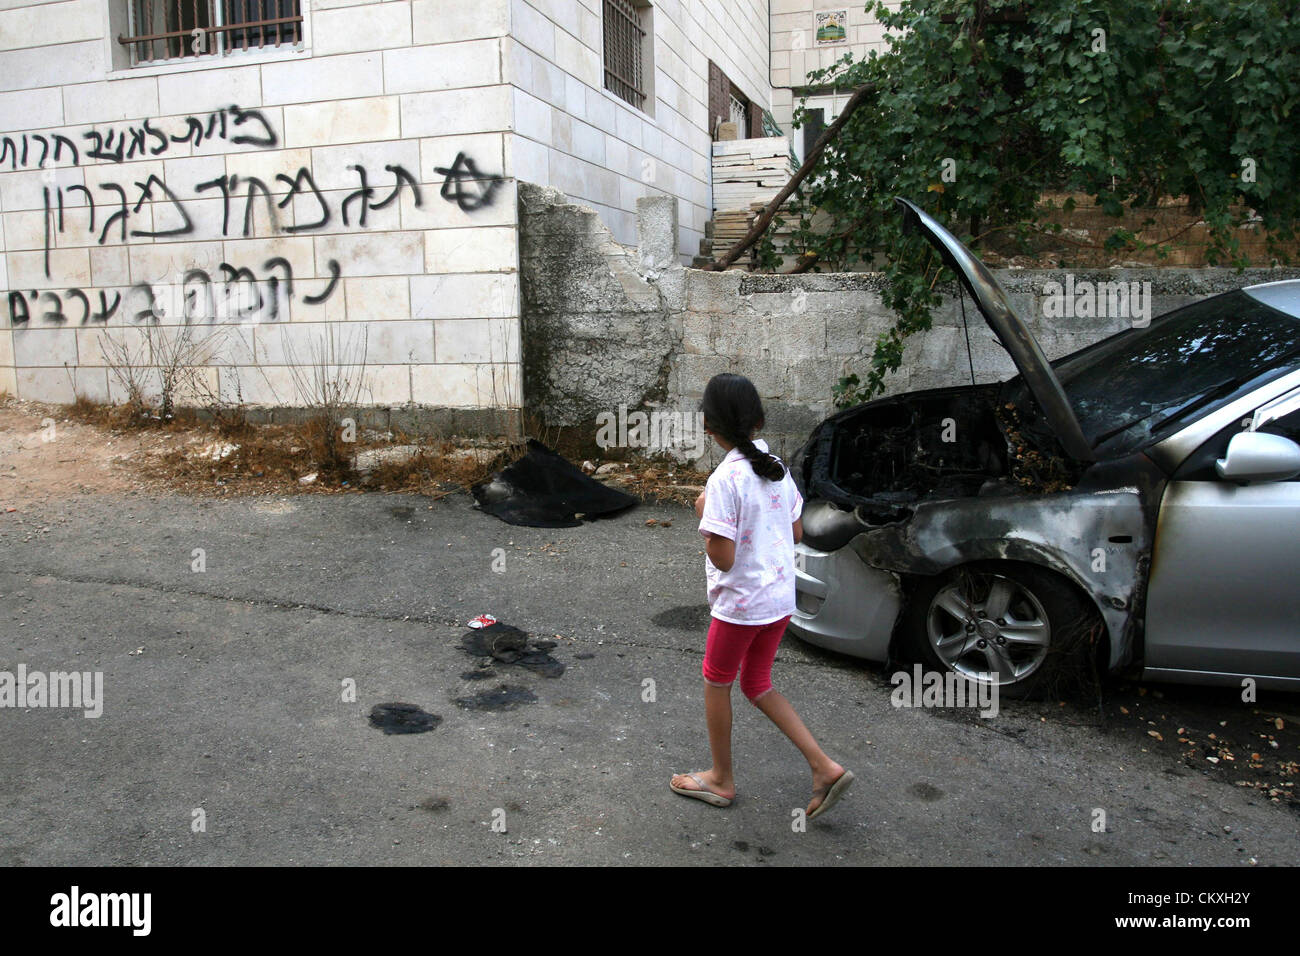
(164,30)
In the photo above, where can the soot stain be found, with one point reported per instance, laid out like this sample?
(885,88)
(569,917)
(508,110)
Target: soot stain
(478,675)
(505,697)
(688,617)
(403,512)
(925,791)
(435,804)
(402,719)
(507,644)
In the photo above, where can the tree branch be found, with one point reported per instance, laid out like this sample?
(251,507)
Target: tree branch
(810,161)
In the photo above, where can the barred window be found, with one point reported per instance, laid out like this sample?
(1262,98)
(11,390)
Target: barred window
(163,30)
(626,34)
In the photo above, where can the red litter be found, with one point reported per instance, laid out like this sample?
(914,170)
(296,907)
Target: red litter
(483,620)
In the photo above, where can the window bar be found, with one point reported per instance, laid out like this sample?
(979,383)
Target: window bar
(182,17)
(147,5)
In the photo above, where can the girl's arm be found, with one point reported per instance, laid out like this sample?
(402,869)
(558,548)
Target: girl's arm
(721,551)
(798,530)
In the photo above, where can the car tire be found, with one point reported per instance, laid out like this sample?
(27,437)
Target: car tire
(1027,627)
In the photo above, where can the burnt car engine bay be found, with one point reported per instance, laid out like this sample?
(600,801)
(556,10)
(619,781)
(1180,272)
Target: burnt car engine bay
(882,459)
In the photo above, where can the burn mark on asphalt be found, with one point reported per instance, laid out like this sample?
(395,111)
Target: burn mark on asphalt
(402,719)
(504,697)
(688,617)
(925,791)
(508,645)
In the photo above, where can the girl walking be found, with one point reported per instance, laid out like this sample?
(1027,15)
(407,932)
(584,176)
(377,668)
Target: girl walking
(749,515)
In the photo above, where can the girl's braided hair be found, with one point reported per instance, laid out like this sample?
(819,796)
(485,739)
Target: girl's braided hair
(733,410)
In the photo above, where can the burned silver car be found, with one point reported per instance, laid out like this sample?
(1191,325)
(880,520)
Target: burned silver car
(1133,503)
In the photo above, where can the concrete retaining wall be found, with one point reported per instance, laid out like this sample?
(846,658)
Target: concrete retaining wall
(605,325)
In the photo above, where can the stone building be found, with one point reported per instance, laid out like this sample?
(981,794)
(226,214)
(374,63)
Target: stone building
(339,177)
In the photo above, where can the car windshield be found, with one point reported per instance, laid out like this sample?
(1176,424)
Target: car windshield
(1133,384)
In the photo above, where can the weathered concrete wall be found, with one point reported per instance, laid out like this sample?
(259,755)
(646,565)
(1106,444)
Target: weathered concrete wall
(605,325)
(597,330)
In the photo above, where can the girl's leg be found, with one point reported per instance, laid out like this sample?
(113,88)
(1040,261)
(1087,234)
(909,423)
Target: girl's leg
(717,712)
(756,682)
(725,647)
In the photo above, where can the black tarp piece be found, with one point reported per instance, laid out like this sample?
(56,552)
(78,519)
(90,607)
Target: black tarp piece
(544,490)
(507,644)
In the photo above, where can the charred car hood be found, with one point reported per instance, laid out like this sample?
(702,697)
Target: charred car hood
(991,300)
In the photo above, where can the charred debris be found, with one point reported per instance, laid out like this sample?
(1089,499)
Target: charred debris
(882,459)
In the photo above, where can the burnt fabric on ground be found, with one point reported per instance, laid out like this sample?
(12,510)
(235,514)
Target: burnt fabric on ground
(543,490)
(506,644)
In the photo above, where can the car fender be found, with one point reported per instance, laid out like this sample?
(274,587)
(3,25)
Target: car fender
(1100,540)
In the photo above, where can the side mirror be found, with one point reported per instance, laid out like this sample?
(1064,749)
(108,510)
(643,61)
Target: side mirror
(1256,456)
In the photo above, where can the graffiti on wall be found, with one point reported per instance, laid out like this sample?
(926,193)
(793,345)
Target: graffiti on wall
(122,143)
(109,212)
(237,294)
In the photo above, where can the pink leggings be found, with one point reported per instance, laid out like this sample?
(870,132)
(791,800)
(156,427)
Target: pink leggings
(747,648)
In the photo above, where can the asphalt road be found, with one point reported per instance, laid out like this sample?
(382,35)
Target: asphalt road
(224,693)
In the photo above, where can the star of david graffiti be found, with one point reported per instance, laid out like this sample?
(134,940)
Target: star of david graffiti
(465,185)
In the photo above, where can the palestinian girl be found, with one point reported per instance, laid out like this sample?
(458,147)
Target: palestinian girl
(750,517)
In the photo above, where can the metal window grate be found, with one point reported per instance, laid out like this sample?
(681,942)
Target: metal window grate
(179,29)
(624,35)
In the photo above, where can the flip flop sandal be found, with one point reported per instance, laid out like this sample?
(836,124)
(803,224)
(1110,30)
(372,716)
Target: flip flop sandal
(832,793)
(704,793)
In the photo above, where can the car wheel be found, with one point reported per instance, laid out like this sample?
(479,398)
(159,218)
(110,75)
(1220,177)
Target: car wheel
(1015,625)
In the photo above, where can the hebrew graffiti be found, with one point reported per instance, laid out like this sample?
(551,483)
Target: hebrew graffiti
(233,189)
(237,294)
(118,144)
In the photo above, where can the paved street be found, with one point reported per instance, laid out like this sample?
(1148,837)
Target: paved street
(223,692)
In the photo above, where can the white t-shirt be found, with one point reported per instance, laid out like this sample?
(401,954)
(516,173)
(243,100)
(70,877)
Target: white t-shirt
(757,514)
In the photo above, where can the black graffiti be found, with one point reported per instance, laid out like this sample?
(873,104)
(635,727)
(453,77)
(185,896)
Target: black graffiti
(238,294)
(458,179)
(240,127)
(295,187)
(459,176)
(365,193)
(20,310)
(18,157)
(329,288)
(146,192)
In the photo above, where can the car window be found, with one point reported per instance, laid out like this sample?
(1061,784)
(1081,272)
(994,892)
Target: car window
(1187,362)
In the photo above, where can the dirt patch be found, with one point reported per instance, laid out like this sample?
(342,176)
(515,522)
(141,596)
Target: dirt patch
(46,455)
(50,452)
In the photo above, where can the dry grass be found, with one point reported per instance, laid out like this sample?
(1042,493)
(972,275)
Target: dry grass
(227,454)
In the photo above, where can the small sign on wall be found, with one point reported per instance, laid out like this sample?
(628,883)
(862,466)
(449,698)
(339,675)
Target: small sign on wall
(831,27)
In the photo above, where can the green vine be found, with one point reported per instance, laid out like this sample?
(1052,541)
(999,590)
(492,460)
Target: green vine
(1128,101)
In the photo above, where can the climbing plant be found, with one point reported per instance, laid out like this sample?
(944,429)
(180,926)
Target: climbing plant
(982,105)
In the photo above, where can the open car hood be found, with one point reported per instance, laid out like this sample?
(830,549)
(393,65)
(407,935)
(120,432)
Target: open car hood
(991,299)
